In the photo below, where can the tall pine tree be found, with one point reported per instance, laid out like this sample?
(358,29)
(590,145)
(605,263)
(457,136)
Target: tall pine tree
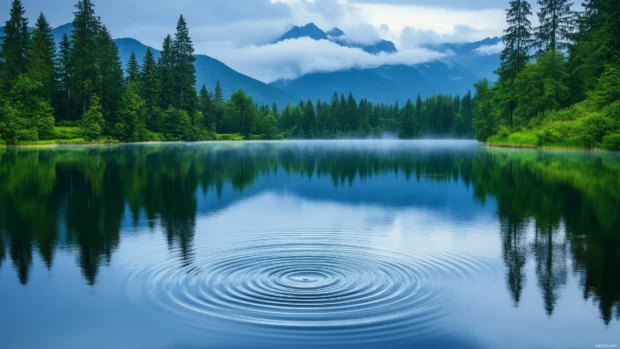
(184,70)
(62,101)
(42,62)
(14,52)
(110,76)
(133,70)
(166,74)
(514,57)
(150,89)
(556,25)
(83,57)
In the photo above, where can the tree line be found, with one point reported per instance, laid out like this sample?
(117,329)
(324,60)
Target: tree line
(81,82)
(558,82)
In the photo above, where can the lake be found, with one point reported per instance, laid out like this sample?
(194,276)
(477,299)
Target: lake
(361,244)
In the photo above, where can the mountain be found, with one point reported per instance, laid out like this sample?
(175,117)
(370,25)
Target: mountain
(309,30)
(387,83)
(456,74)
(208,71)
(337,36)
(466,55)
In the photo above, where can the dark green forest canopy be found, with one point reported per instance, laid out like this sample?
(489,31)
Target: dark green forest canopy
(557,84)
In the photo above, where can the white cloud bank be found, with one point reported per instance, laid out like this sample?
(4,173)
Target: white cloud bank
(290,59)
(490,49)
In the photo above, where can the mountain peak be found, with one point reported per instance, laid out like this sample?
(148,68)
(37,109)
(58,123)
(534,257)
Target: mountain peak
(335,32)
(309,30)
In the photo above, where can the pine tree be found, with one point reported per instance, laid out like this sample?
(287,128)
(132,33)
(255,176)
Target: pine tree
(166,73)
(62,102)
(131,123)
(309,121)
(219,95)
(556,25)
(206,107)
(109,82)
(83,56)
(150,89)
(42,62)
(517,39)
(184,70)
(597,44)
(133,70)
(15,48)
(407,128)
(92,122)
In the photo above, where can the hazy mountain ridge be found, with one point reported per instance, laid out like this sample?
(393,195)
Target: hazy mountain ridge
(454,74)
(336,36)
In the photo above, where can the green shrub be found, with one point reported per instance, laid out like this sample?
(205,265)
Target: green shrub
(67,132)
(594,129)
(612,142)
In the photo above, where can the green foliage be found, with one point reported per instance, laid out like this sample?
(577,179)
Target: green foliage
(92,123)
(131,123)
(31,115)
(612,142)
(67,132)
(485,121)
(607,90)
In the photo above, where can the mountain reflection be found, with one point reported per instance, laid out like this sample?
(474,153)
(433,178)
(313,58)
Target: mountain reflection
(559,211)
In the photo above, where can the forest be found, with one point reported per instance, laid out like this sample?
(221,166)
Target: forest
(557,85)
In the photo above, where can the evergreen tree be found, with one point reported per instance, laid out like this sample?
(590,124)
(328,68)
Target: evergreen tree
(207,108)
(82,66)
(15,48)
(131,123)
(597,44)
(42,61)
(110,76)
(352,123)
(309,121)
(62,102)
(407,122)
(166,73)
(33,115)
(184,70)
(542,86)
(92,123)
(514,57)
(243,106)
(133,70)
(150,89)
(219,95)
(556,25)
(485,122)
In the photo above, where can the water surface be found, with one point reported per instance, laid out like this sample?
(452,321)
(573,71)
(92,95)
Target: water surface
(361,244)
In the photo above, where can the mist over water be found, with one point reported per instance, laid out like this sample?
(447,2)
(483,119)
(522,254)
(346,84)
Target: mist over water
(362,244)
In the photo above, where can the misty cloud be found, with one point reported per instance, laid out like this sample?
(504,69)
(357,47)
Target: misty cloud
(490,49)
(292,58)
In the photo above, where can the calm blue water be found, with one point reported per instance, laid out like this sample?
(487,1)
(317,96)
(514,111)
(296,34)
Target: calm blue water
(362,244)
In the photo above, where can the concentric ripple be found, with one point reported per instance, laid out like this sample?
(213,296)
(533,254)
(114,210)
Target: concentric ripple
(333,289)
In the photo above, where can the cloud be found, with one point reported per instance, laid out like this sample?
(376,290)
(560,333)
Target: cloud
(490,49)
(290,59)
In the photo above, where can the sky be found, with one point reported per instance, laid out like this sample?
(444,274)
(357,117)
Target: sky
(241,32)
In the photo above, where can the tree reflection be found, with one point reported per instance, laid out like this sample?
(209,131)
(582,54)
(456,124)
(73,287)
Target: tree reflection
(555,209)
